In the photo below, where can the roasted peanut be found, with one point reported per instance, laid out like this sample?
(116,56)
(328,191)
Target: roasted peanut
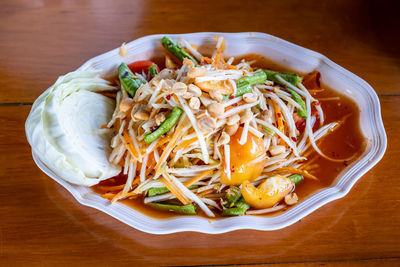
(223,139)
(234,119)
(291,199)
(266,115)
(188,62)
(167,85)
(216,109)
(194,103)
(160,117)
(179,88)
(250,98)
(232,129)
(141,115)
(246,116)
(194,90)
(206,123)
(216,95)
(277,150)
(125,104)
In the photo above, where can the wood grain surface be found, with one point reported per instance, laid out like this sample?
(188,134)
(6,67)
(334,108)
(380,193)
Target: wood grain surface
(43,225)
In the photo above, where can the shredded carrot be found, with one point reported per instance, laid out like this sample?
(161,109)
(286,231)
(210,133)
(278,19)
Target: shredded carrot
(185,143)
(308,162)
(151,162)
(175,192)
(129,145)
(278,118)
(206,192)
(116,197)
(120,196)
(307,152)
(135,181)
(108,195)
(312,167)
(241,102)
(161,142)
(217,61)
(316,91)
(197,178)
(207,60)
(110,188)
(231,67)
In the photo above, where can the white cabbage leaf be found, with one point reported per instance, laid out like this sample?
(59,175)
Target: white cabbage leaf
(64,128)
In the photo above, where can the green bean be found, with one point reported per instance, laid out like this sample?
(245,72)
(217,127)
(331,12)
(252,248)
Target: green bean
(127,79)
(187,209)
(244,84)
(232,195)
(154,191)
(165,126)
(296,97)
(290,77)
(176,50)
(153,71)
(296,178)
(239,209)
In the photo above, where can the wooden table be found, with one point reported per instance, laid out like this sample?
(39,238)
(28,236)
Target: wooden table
(42,224)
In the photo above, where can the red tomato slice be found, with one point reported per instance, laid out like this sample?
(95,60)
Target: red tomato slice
(142,65)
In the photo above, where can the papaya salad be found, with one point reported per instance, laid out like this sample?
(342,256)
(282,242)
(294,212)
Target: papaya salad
(214,135)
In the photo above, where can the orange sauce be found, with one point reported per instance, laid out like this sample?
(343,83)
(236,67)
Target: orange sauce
(344,142)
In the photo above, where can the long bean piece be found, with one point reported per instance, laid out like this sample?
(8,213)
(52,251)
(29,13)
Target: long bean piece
(128,81)
(290,77)
(176,50)
(244,84)
(154,191)
(239,209)
(153,71)
(187,209)
(165,126)
(296,97)
(296,178)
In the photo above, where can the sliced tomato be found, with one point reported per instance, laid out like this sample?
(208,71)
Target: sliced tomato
(142,65)
(301,123)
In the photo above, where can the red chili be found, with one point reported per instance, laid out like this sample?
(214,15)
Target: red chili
(153,128)
(142,65)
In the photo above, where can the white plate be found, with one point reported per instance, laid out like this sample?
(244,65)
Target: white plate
(284,53)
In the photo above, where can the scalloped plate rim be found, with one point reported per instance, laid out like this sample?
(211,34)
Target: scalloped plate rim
(245,222)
